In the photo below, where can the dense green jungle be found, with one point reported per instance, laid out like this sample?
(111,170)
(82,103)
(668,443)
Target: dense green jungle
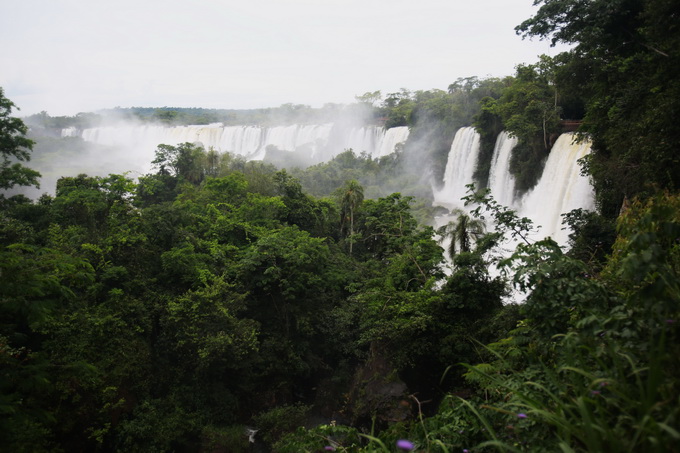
(218,305)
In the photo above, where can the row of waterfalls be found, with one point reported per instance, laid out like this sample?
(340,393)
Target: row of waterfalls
(560,189)
(314,143)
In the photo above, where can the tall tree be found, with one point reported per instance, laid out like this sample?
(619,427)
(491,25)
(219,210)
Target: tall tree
(462,231)
(185,161)
(14,146)
(352,195)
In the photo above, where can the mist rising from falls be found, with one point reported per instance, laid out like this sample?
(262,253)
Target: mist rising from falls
(308,143)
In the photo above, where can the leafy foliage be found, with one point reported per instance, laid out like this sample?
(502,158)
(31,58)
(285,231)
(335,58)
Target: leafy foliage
(215,293)
(622,65)
(14,146)
(528,109)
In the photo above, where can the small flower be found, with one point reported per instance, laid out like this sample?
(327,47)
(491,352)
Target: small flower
(329,448)
(521,415)
(604,384)
(670,321)
(595,392)
(404,444)
(465,450)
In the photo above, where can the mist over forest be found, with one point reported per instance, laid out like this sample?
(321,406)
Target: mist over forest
(488,266)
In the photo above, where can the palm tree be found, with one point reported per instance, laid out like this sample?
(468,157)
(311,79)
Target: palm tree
(351,197)
(463,231)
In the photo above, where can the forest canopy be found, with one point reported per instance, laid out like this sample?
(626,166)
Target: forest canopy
(214,300)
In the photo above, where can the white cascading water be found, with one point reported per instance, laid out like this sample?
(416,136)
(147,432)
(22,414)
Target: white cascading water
(363,139)
(561,189)
(295,138)
(501,181)
(389,141)
(241,140)
(252,142)
(460,168)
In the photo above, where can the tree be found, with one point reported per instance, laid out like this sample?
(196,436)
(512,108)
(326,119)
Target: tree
(14,146)
(369,98)
(35,282)
(351,197)
(528,109)
(398,108)
(462,231)
(183,161)
(302,210)
(595,26)
(623,63)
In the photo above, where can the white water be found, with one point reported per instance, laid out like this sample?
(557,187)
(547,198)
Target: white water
(315,143)
(390,139)
(501,181)
(561,189)
(459,168)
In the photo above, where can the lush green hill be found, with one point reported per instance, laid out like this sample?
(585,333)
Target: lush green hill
(168,313)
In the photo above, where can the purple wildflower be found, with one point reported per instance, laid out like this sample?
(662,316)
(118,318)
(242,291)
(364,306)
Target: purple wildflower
(329,448)
(595,392)
(465,450)
(521,415)
(404,444)
(670,321)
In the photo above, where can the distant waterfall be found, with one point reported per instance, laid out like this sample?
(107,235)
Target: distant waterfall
(315,143)
(362,139)
(501,181)
(389,141)
(459,168)
(241,140)
(561,189)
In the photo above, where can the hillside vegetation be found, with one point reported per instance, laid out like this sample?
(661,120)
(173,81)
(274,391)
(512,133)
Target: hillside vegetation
(213,296)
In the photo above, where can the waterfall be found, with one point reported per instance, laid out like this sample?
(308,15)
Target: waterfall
(501,181)
(363,139)
(305,139)
(240,140)
(315,143)
(389,141)
(561,189)
(459,168)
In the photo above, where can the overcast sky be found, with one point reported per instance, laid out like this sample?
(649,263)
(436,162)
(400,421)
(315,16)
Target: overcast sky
(70,56)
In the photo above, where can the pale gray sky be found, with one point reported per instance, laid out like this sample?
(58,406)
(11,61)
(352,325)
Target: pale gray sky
(70,56)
